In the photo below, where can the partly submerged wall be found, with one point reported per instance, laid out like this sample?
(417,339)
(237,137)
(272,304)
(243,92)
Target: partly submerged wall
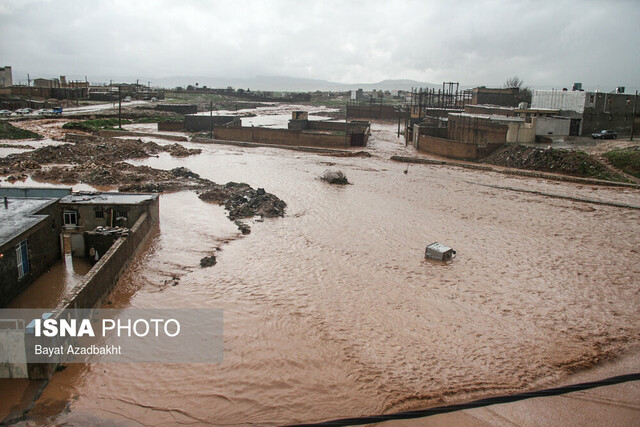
(455,149)
(280,137)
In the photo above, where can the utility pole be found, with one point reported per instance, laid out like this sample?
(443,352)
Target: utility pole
(119,107)
(211,120)
(29,88)
(633,116)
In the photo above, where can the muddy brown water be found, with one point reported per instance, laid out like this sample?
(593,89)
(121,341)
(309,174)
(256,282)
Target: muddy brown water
(333,311)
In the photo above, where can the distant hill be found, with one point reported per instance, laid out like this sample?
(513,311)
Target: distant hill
(283,83)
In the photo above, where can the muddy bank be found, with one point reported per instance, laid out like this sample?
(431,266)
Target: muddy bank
(569,162)
(100,162)
(9,131)
(89,150)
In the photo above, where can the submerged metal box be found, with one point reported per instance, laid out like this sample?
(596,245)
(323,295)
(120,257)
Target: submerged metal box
(439,252)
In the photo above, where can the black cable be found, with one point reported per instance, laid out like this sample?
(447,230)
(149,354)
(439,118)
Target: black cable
(476,403)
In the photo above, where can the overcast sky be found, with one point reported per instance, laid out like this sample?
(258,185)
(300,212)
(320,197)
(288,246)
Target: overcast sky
(546,43)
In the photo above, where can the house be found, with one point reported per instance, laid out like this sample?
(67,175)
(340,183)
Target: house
(38,224)
(589,111)
(29,242)
(83,212)
(6,79)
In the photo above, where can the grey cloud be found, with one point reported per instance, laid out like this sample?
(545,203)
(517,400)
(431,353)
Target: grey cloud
(474,42)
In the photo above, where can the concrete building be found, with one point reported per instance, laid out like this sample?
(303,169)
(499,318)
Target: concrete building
(84,212)
(495,96)
(29,242)
(6,79)
(589,111)
(38,224)
(49,83)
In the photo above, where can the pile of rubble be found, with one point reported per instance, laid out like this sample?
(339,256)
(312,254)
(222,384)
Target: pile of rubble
(242,201)
(99,162)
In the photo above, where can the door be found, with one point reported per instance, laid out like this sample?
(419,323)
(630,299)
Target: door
(574,127)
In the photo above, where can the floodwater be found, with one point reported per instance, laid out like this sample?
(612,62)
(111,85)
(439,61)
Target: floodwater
(50,288)
(333,311)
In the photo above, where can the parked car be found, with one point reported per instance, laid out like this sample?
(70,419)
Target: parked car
(23,111)
(604,134)
(56,110)
(5,113)
(43,111)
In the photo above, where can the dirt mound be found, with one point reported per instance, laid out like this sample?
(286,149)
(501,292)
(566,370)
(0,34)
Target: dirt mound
(569,162)
(91,150)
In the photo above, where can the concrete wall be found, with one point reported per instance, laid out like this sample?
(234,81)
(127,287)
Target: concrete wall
(496,96)
(34,192)
(6,79)
(171,126)
(552,125)
(279,137)
(194,123)
(476,130)
(559,100)
(87,220)
(373,111)
(608,111)
(521,133)
(178,108)
(328,126)
(490,110)
(447,147)
(43,243)
(40,92)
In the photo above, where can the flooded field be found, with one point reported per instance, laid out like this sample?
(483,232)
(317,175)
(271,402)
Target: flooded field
(333,311)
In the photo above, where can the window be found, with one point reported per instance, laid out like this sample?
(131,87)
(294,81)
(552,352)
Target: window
(123,214)
(99,214)
(70,218)
(22,254)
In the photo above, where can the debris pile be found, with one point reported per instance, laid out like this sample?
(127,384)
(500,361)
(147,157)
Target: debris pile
(90,150)
(99,162)
(177,150)
(334,177)
(570,162)
(208,261)
(242,201)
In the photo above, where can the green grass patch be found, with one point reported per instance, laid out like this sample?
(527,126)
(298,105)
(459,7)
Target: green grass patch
(94,125)
(625,159)
(9,131)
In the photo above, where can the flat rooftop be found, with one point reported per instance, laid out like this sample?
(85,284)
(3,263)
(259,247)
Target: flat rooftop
(20,215)
(108,198)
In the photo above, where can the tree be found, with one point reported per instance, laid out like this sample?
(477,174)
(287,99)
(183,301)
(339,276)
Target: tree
(513,83)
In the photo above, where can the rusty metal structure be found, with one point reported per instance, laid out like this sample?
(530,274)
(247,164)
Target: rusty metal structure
(450,97)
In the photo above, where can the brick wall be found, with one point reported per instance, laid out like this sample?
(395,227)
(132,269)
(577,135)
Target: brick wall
(373,111)
(477,130)
(178,108)
(447,147)
(279,137)
(171,126)
(194,123)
